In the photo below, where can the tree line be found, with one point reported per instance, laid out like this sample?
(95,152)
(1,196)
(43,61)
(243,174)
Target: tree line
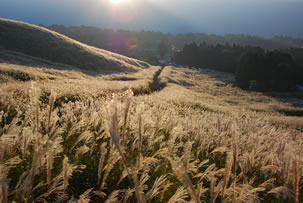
(151,46)
(274,70)
(254,67)
(273,43)
(219,57)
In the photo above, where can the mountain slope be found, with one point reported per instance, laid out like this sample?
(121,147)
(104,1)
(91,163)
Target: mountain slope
(40,42)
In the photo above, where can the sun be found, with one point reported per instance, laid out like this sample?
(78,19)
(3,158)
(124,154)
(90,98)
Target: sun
(116,1)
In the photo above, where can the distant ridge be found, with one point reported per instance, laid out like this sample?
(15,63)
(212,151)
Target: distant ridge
(40,42)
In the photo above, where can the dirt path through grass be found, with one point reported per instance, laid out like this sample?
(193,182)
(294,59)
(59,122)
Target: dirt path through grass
(157,85)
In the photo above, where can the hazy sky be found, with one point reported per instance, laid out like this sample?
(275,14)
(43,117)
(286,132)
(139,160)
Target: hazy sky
(258,17)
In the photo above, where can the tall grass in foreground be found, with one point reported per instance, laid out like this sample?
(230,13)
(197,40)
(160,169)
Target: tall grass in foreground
(141,149)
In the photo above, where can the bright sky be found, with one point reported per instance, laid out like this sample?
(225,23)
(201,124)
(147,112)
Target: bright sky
(259,17)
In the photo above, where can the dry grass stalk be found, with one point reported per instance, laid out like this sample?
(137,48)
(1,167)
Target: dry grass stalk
(212,189)
(3,189)
(139,141)
(2,150)
(114,132)
(297,177)
(234,166)
(51,105)
(49,166)
(187,154)
(127,105)
(138,188)
(227,172)
(101,160)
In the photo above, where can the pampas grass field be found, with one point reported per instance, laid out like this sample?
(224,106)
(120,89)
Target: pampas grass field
(69,137)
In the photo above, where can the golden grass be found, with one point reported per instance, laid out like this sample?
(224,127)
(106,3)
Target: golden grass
(69,82)
(216,88)
(198,139)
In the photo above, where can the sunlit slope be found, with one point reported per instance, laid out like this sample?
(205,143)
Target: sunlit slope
(40,42)
(228,143)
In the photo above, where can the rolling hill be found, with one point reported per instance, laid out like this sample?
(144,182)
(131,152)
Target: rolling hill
(35,41)
(169,134)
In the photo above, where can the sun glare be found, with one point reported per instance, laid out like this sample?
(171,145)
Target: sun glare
(116,1)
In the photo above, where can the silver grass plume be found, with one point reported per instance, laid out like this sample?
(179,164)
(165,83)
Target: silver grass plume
(114,133)
(113,158)
(52,147)
(250,194)
(127,194)
(85,197)
(86,135)
(281,192)
(56,187)
(157,188)
(81,150)
(113,197)
(67,171)
(36,164)
(180,196)
(181,174)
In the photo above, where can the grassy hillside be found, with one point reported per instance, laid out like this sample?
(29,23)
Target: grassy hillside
(68,136)
(40,42)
